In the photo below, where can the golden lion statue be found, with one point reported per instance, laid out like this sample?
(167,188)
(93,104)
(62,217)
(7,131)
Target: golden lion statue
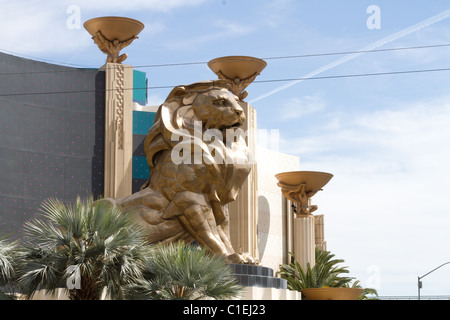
(191,180)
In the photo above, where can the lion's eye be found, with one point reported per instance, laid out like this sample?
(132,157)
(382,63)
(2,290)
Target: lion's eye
(220,102)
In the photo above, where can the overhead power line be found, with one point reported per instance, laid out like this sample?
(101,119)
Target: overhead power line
(359,51)
(256,81)
(303,55)
(356,75)
(267,58)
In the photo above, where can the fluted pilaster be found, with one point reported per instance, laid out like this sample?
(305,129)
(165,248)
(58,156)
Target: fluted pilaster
(320,232)
(118,130)
(304,240)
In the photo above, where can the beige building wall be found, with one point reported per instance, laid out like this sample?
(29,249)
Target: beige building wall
(243,213)
(275,219)
(261,220)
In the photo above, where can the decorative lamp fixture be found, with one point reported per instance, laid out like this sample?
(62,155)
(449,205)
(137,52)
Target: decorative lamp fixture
(300,186)
(112,34)
(239,71)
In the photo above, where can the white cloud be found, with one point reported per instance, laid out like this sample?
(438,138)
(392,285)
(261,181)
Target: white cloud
(136,5)
(387,204)
(276,12)
(415,134)
(34,29)
(295,108)
(37,27)
(218,30)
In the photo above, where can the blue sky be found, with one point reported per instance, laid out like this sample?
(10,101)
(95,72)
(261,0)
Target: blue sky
(385,138)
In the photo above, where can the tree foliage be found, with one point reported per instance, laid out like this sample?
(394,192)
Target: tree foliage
(97,243)
(326,272)
(8,261)
(184,272)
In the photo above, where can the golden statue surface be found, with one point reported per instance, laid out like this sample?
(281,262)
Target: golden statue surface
(198,162)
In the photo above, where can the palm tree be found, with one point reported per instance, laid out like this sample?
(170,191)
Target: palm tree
(176,271)
(8,251)
(325,273)
(95,245)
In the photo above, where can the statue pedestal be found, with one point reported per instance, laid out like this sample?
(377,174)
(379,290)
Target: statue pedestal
(304,240)
(257,276)
(260,284)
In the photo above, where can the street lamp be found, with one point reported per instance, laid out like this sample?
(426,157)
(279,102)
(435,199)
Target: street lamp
(419,283)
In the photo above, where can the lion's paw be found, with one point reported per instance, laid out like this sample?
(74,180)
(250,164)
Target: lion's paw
(242,258)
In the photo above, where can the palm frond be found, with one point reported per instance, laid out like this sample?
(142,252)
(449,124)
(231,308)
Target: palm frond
(178,271)
(99,239)
(325,272)
(8,251)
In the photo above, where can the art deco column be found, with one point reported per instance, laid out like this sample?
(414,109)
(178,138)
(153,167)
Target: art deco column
(118,130)
(299,187)
(304,240)
(239,72)
(112,34)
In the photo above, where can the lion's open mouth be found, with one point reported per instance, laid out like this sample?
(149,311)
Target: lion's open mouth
(231,133)
(237,124)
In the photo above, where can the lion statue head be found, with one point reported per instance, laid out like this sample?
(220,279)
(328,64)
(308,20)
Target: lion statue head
(204,116)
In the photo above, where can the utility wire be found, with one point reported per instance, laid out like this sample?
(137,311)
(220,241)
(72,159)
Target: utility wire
(356,75)
(359,51)
(267,58)
(303,56)
(256,81)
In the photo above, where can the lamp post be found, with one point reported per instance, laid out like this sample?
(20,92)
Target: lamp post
(419,282)
(112,34)
(299,187)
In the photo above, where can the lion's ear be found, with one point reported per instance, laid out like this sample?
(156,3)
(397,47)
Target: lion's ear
(177,92)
